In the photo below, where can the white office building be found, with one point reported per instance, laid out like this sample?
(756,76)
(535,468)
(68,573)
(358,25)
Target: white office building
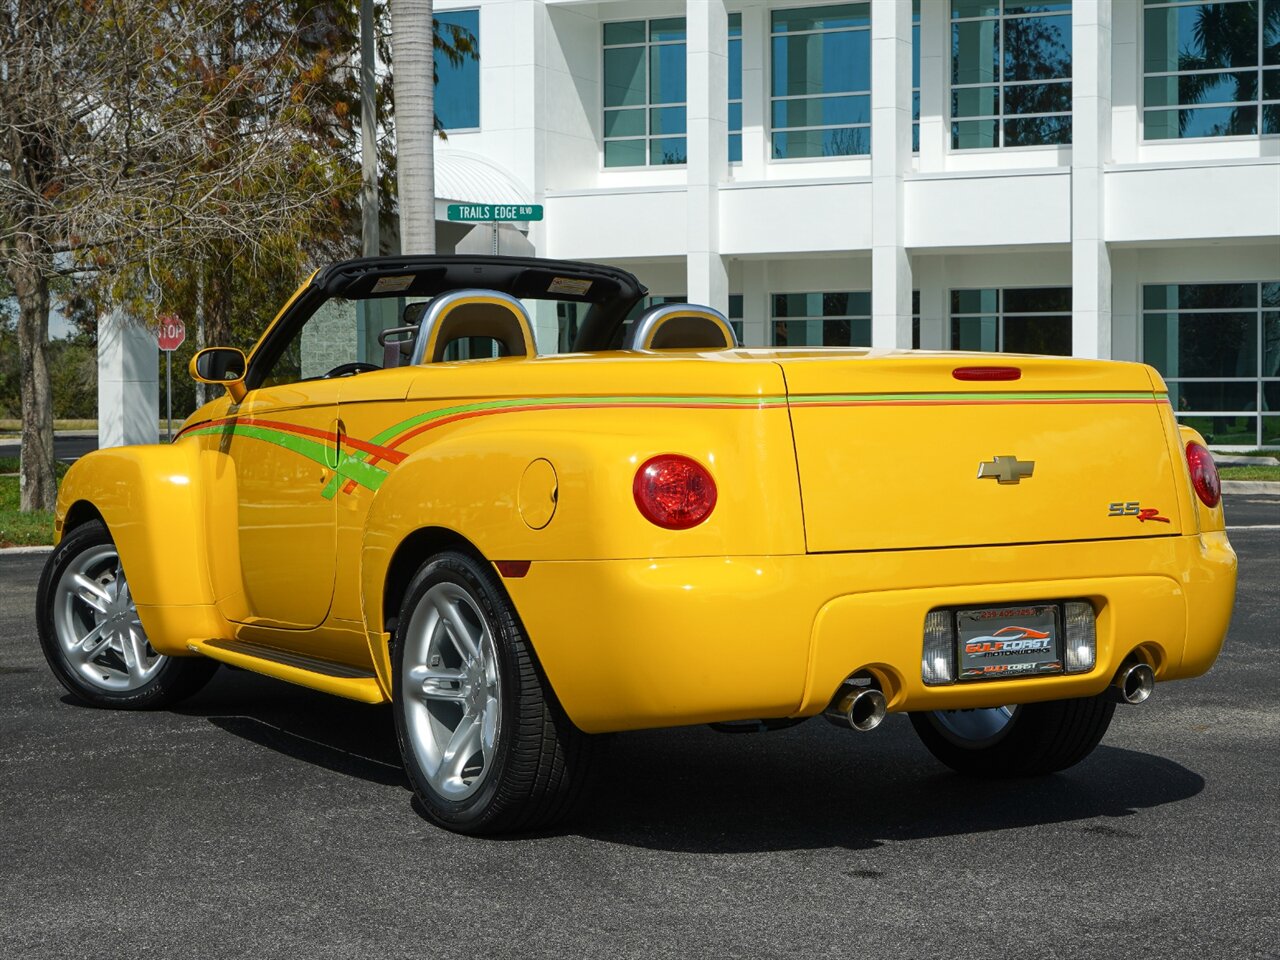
(1098,178)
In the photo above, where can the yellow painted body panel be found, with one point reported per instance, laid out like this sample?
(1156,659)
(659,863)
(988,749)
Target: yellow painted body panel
(276,521)
(364,689)
(649,643)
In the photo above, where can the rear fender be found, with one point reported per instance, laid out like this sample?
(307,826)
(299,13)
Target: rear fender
(486,486)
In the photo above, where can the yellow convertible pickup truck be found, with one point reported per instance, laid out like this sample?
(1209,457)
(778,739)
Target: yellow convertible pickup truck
(398,500)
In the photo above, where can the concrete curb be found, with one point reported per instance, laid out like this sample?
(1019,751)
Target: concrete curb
(1269,487)
(11,550)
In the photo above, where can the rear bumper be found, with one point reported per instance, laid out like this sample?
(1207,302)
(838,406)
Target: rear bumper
(628,644)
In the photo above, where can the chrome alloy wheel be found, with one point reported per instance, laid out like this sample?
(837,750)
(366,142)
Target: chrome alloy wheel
(975,727)
(97,625)
(451,684)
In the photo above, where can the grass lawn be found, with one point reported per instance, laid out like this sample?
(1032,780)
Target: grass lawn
(1249,473)
(15,426)
(18,529)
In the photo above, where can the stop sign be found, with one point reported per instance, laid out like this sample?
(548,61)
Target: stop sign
(172,331)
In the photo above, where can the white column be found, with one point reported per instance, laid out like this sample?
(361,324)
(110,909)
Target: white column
(935,38)
(890,161)
(930,276)
(1090,152)
(755,303)
(1126,74)
(1125,328)
(755,93)
(708,119)
(128,382)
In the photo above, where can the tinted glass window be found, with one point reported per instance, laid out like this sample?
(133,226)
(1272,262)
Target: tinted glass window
(1218,347)
(458,83)
(1210,69)
(817,52)
(644,92)
(1013,320)
(1010,73)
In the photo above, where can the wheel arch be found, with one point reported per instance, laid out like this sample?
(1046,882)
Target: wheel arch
(78,514)
(384,593)
(412,552)
(151,500)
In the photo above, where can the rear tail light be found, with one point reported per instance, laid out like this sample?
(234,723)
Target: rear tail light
(674,492)
(1204,474)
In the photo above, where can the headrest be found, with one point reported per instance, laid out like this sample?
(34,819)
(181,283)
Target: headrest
(681,326)
(474,313)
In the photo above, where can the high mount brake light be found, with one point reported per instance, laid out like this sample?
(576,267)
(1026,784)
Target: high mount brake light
(987,373)
(1204,474)
(674,491)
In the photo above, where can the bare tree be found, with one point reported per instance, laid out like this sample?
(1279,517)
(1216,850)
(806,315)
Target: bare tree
(116,157)
(413,60)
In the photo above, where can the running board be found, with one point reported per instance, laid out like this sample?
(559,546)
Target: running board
(323,675)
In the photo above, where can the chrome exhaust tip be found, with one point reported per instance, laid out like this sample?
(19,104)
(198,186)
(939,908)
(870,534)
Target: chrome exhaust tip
(860,710)
(1133,684)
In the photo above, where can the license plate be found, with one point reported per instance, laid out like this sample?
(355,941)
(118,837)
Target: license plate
(1000,643)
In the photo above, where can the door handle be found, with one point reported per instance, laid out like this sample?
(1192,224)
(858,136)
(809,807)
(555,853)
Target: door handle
(339,434)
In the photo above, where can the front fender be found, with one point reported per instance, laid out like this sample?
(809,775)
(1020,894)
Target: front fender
(150,498)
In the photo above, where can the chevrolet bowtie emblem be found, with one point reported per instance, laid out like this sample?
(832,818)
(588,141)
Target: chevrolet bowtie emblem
(1006,469)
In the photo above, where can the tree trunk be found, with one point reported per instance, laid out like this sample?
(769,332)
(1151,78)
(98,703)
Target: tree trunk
(39,485)
(370,242)
(201,395)
(217,299)
(413,63)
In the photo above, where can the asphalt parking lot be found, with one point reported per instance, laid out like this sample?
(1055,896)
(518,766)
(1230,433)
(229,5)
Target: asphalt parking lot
(262,820)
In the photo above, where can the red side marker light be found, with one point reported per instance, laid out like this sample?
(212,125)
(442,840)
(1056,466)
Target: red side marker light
(512,569)
(1204,474)
(674,491)
(987,373)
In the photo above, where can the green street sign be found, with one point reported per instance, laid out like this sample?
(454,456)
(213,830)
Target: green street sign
(495,212)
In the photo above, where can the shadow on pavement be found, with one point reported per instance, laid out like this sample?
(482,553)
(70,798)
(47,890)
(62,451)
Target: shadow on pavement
(353,739)
(814,787)
(693,790)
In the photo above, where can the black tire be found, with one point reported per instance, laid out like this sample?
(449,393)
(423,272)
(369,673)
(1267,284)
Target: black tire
(534,772)
(167,680)
(1038,739)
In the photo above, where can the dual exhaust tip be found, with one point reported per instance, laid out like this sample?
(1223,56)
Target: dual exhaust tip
(1133,683)
(863,708)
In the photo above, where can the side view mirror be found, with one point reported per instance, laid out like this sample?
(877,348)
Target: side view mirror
(221,367)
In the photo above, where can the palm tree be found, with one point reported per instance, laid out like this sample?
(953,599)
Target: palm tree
(413,59)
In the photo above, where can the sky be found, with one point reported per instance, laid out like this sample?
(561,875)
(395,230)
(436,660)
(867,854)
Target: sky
(59,326)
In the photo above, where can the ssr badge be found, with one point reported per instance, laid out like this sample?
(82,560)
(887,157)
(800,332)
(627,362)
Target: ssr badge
(1132,508)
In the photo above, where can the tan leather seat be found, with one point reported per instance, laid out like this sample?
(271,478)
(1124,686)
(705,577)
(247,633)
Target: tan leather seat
(474,313)
(680,326)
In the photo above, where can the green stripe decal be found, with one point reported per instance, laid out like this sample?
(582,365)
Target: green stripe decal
(364,474)
(355,466)
(422,418)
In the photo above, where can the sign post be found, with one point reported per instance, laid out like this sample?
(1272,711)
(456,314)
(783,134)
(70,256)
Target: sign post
(171,335)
